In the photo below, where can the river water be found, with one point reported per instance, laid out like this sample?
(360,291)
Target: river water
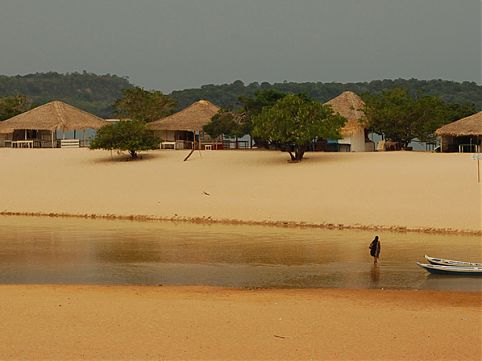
(76,251)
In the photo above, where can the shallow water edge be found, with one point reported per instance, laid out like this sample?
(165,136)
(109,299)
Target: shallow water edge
(54,250)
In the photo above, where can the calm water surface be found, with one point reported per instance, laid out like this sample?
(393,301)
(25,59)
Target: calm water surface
(72,251)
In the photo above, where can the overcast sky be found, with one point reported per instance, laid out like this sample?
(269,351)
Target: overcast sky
(176,44)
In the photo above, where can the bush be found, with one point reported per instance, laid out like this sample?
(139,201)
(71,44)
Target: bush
(131,136)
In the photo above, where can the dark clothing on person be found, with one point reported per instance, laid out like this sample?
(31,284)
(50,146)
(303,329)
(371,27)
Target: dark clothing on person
(375,248)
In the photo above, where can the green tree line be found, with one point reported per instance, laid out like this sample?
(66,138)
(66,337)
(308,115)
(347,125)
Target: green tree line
(292,122)
(98,93)
(93,93)
(227,95)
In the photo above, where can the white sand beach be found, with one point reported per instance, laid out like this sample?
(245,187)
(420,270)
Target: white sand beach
(421,191)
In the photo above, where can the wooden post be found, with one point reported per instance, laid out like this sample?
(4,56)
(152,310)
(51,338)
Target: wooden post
(52,137)
(189,155)
(478,169)
(477,149)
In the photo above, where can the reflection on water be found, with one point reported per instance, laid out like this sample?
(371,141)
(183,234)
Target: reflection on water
(71,251)
(375,275)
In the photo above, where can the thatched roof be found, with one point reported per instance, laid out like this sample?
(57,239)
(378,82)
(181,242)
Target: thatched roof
(52,116)
(193,118)
(469,126)
(350,106)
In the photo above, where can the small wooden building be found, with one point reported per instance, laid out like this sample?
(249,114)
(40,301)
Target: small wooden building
(464,135)
(355,133)
(38,127)
(184,130)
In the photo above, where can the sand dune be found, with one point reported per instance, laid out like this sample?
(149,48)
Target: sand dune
(403,189)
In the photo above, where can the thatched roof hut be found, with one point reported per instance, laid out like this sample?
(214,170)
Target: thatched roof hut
(192,118)
(350,106)
(466,127)
(52,116)
(354,132)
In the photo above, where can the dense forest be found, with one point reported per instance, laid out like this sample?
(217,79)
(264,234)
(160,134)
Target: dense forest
(87,91)
(98,93)
(227,95)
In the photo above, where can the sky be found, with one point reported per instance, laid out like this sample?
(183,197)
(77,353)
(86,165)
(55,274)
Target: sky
(178,44)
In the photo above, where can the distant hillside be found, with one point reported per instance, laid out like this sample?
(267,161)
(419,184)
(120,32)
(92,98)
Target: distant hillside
(97,93)
(90,92)
(226,95)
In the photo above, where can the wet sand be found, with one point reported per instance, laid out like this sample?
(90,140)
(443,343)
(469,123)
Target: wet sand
(399,190)
(198,323)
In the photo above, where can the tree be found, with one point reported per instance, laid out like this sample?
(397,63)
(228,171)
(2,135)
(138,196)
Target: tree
(401,117)
(262,98)
(295,121)
(131,136)
(13,105)
(230,124)
(143,105)
(252,107)
(457,111)
(237,124)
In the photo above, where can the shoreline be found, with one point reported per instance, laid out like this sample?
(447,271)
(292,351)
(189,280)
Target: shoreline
(470,298)
(265,223)
(59,322)
(461,298)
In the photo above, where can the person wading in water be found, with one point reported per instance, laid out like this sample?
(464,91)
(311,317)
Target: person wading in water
(375,249)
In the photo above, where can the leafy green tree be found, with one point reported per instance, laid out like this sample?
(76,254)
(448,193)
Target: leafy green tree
(13,105)
(390,115)
(132,136)
(401,117)
(252,107)
(456,111)
(295,121)
(232,125)
(262,98)
(143,105)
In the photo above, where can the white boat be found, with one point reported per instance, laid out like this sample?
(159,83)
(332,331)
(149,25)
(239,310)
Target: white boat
(448,262)
(451,270)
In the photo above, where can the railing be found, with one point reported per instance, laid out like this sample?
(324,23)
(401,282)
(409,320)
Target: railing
(177,145)
(22,143)
(69,143)
(44,143)
(231,144)
(472,148)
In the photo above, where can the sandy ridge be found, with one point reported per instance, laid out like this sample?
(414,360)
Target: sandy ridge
(209,220)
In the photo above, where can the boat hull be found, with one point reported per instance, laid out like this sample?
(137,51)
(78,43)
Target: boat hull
(449,262)
(452,271)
